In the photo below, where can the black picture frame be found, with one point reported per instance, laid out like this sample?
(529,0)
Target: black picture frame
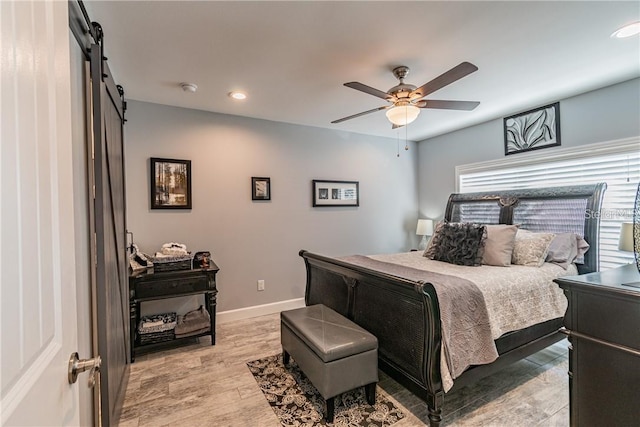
(170,183)
(532,130)
(328,193)
(260,188)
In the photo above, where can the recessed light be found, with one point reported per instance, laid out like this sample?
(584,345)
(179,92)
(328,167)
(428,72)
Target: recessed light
(238,95)
(627,31)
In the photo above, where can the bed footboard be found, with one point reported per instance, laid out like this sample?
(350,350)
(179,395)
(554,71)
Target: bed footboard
(404,315)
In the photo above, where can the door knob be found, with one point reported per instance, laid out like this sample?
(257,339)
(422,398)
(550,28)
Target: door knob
(77,365)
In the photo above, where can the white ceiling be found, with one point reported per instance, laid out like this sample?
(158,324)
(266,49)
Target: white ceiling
(292,58)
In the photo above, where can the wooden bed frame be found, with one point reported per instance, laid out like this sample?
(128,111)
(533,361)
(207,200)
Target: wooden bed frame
(405,316)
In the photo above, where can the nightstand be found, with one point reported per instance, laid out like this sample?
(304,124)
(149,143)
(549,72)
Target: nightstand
(149,286)
(603,325)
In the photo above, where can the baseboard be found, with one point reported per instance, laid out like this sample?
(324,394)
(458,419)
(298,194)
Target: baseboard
(258,310)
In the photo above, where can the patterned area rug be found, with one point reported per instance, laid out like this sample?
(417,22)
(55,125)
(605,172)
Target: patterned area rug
(297,403)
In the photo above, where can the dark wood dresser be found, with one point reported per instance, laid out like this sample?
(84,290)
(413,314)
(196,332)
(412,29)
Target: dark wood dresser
(603,324)
(148,286)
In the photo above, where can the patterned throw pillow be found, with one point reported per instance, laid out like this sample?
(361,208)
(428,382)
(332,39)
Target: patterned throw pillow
(457,243)
(531,248)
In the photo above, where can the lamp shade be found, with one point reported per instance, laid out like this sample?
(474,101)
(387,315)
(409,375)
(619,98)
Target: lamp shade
(626,237)
(402,114)
(425,227)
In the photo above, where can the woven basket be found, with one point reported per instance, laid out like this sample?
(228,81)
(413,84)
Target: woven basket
(161,264)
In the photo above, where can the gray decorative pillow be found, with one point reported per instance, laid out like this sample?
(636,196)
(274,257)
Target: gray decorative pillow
(458,243)
(499,245)
(531,248)
(566,248)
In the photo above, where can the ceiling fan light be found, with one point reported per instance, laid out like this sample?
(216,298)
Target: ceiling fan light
(402,114)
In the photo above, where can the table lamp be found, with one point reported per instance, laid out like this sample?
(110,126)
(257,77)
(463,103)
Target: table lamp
(625,243)
(424,229)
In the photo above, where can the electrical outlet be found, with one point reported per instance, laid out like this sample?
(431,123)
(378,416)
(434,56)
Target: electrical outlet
(261,285)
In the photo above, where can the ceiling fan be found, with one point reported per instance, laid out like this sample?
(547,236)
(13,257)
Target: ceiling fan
(406,100)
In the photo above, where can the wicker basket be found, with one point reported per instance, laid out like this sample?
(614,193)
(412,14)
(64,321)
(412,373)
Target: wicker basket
(173,263)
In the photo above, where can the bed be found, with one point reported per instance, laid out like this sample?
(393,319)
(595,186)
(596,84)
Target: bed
(404,313)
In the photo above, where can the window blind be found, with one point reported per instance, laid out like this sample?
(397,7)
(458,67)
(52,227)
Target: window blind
(617,163)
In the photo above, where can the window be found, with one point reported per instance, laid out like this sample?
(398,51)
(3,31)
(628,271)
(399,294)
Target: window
(617,163)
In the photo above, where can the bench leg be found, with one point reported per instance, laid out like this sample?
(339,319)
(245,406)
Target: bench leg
(370,392)
(285,357)
(330,409)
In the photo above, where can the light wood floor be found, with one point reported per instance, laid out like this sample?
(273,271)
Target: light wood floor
(204,385)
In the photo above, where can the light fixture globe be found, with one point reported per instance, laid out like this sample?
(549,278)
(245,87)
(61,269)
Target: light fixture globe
(401,115)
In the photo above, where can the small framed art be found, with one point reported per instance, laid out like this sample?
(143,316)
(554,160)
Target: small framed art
(532,130)
(260,188)
(335,193)
(170,183)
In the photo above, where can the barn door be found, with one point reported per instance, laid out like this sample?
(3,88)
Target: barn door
(111,266)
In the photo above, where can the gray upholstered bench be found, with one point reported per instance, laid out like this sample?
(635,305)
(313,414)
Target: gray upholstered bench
(333,352)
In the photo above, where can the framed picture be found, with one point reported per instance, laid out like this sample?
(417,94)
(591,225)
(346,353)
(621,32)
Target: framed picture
(170,184)
(335,193)
(532,130)
(260,188)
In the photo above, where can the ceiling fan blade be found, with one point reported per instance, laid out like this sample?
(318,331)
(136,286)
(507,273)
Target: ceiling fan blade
(456,73)
(361,114)
(394,126)
(448,105)
(368,89)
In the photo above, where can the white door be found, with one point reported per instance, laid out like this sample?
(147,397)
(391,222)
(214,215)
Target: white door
(38,290)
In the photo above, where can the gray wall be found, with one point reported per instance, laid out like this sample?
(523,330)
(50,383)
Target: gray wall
(260,240)
(598,116)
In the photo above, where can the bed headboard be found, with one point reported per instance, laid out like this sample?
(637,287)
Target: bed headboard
(571,209)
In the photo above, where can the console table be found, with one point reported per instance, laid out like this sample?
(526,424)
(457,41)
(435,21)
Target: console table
(148,286)
(603,324)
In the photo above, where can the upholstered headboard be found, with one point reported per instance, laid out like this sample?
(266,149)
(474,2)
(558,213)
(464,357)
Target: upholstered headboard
(572,209)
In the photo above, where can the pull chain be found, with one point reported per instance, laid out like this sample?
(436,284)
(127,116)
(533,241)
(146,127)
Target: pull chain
(406,144)
(628,166)
(406,125)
